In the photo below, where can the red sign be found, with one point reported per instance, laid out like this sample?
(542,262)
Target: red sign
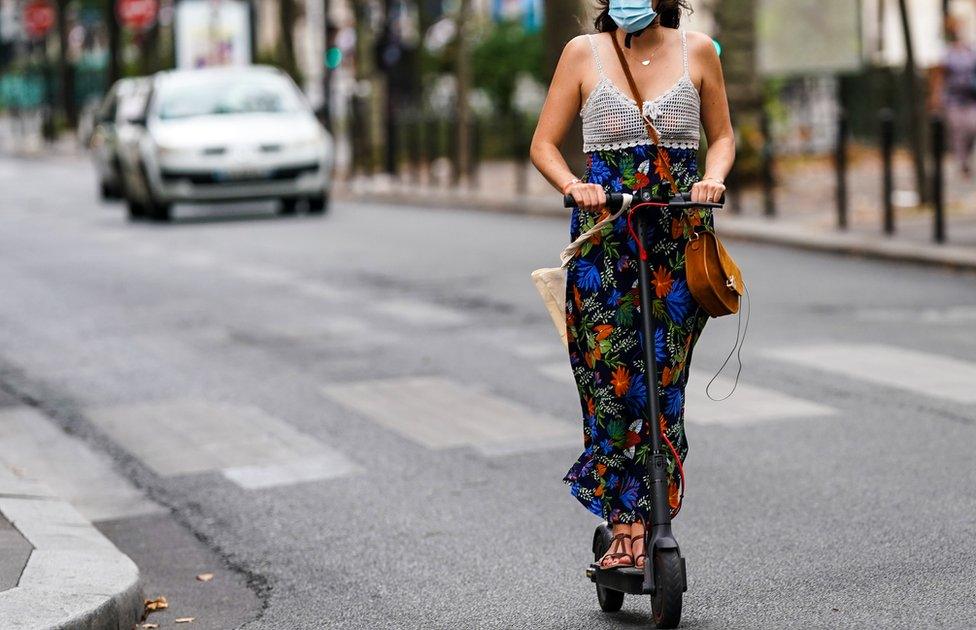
(136,14)
(39,18)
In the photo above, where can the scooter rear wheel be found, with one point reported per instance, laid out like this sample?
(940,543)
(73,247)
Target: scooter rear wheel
(666,601)
(610,600)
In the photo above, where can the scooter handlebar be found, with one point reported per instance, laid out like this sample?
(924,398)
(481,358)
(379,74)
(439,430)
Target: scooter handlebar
(682,200)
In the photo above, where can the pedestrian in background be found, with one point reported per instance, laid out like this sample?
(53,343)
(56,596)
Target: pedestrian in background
(679,78)
(954,93)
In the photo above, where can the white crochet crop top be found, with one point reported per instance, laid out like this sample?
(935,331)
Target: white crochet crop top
(612,120)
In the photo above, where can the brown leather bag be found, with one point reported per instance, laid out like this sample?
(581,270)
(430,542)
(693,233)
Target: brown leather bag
(715,281)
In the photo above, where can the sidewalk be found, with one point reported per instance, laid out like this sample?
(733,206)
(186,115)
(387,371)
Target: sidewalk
(56,569)
(805,196)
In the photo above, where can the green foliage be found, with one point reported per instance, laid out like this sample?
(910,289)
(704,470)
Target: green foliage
(506,51)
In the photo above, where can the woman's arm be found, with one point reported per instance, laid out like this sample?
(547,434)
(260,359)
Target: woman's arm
(562,105)
(715,119)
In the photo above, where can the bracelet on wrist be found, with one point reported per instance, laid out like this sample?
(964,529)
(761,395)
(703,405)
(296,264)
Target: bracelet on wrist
(575,180)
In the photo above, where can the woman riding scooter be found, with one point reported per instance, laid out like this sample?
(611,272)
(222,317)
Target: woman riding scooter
(681,74)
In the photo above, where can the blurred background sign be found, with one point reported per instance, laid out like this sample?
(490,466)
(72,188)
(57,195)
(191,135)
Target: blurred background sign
(39,16)
(137,15)
(212,33)
(828,31)
(530,12)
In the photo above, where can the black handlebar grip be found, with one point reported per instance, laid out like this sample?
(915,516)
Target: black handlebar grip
(614,201)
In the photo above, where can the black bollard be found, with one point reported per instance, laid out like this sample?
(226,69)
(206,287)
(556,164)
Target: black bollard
(474,161)
(768,175)
(938,179)
(520,151)
(887,117)
(840,165)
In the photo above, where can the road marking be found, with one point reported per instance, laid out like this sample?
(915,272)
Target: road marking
(438,413)
(417,312)
(30,443)
(948,315)
(927,374)
(749,404)
(249,446)
(559,372)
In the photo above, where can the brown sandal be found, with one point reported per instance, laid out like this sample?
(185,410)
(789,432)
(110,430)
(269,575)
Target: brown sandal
(642,538)
(616,543)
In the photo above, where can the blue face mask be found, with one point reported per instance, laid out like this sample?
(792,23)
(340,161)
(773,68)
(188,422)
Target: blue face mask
(632,15)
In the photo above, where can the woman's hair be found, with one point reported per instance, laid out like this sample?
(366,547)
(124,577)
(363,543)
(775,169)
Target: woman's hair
(669,14)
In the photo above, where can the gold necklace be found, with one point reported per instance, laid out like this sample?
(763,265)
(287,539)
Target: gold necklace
(647,62)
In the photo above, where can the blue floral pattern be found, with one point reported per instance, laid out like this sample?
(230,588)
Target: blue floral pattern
(605,342)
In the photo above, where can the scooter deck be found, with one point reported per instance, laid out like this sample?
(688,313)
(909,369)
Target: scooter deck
(629,580)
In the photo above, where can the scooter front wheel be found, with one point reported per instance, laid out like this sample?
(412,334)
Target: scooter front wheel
(609,599)
(669,583)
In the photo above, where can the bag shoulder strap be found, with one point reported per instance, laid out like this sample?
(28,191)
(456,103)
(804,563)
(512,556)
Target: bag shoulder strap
(651,131)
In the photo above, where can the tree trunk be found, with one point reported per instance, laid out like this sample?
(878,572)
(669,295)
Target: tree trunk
(736,22)
(286,41)
(913,95)
(463,70)
(564,20)
(66,72)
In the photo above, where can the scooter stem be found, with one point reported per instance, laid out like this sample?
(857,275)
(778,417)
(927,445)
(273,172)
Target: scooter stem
(659,533)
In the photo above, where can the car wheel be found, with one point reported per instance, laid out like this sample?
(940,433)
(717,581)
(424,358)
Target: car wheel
(318,204)
(288,206)
(157,211)
(136,209)
(108,192)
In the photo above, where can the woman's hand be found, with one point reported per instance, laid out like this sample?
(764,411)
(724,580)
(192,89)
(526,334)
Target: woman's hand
(708,190)
(588,197)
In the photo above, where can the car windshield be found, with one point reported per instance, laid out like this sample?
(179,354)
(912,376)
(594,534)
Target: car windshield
(241,94)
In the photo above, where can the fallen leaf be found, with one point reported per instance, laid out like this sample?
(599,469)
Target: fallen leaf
(183,620)
(205,577)
(149,626)
(152,605)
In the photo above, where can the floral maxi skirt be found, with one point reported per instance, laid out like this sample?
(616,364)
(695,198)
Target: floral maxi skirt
(605,338)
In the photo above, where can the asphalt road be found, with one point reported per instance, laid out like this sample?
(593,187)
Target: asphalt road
(362,420)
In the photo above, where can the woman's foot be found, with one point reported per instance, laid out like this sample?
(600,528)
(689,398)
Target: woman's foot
(637,545)
(618,554)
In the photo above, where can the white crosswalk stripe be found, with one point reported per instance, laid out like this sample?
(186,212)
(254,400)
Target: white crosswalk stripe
(749,404)
(31,444)
(438,413)
(928,374)
(247,445)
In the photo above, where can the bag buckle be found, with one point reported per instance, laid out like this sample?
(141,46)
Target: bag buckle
(730,283)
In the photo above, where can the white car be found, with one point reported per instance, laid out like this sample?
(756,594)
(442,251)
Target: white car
(125,101)
(224,134)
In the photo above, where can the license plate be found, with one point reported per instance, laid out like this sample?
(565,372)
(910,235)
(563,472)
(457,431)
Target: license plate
(240,174)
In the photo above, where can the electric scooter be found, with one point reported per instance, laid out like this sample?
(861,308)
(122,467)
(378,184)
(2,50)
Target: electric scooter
(663,576)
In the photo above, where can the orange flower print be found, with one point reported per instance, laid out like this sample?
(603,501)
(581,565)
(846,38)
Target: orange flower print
(641,180)
(603,331)
(633,439)
(590,407)
(694,219)
(601,469)
(620,381)
(673,497)
(677,228)
(599,491)
(662,424)
(666,376)
(662,282)
(662,165)
(577,298)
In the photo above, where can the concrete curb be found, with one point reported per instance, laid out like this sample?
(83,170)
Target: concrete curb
(777,232)
(75,577)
